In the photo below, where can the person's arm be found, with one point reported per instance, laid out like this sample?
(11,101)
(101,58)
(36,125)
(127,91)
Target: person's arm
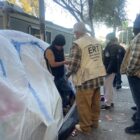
(75,60)
(51,59)
(134,63)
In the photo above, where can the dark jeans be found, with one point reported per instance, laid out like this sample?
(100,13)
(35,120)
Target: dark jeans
(65,90)
(134,83)
(117,80)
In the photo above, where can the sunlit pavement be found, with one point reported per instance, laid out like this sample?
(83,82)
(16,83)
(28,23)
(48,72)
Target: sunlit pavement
(113,122)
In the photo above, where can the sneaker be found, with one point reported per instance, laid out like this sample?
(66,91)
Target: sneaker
(134,129)
(134,108)
(106,107)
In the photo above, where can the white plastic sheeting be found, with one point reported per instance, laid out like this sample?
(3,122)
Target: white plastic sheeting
(30,105)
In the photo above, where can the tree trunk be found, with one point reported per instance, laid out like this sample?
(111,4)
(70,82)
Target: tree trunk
(114,29)
(90,7)
(92,28)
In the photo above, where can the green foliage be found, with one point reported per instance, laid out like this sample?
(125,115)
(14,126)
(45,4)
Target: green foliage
(29,6)
(126,35)
(124,25)
(82,10)
(35,7)
(26,6)
(12,1)
(110,12)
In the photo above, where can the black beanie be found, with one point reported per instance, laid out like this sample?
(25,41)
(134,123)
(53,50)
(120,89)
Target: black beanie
(59,40)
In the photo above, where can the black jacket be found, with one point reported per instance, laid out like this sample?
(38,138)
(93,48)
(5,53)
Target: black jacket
(112,57)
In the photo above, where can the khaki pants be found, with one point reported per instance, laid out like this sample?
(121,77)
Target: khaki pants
(88,106)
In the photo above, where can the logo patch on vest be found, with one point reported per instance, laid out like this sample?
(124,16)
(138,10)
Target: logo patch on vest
(94,51)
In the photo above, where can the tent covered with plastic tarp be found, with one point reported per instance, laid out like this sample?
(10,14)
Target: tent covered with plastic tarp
(30,105)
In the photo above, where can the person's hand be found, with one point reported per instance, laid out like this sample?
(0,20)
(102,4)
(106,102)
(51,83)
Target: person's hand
(66,62)
(68,75)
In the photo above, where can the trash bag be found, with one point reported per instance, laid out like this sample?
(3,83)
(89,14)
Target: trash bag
(69,123)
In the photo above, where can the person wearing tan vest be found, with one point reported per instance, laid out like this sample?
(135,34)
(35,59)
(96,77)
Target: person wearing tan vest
(87,70)
(131,66)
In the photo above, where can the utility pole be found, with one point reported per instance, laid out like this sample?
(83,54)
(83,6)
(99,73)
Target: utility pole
(42,19)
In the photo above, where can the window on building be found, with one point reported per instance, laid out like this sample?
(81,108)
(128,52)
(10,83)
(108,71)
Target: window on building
(34,31)
(48,37)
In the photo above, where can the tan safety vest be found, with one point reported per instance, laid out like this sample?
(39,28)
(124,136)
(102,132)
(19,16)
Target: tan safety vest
(91,62)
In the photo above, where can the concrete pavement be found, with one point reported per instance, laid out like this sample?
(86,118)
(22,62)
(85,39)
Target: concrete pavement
(113,122)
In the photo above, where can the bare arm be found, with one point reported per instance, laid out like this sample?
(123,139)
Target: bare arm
(51,59)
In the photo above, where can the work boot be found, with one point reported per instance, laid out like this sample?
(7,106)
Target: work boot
(134,129)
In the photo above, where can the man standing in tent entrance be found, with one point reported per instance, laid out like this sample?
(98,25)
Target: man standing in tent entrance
(87,70)
(54,56)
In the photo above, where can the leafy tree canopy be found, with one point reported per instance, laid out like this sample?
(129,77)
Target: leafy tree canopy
(12,1)
(29,6)
(81,9)
(109,12)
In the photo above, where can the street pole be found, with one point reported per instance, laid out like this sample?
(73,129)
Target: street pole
(42,19)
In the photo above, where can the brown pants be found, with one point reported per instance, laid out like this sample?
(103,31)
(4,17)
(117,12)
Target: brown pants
(88,106)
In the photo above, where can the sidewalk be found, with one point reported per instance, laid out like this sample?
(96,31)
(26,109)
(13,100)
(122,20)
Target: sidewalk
(113,122)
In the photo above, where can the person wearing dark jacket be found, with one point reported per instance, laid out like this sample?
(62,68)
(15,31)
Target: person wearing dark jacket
(111,64)
(120,55)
